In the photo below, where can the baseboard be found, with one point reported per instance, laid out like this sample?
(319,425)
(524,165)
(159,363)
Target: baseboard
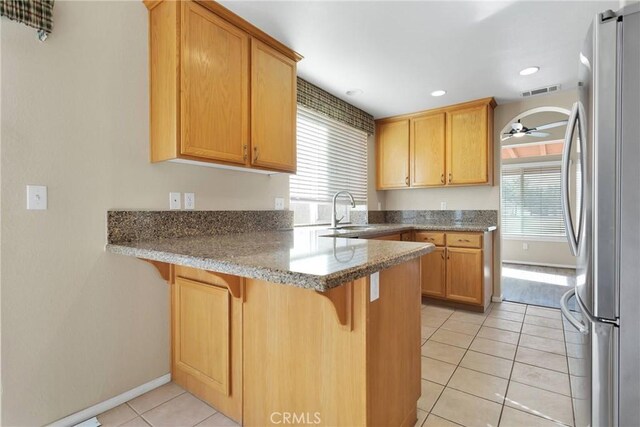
(101,407)
(497,299)
(540,264)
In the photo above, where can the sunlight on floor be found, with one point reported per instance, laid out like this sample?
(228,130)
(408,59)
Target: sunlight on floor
(533,276)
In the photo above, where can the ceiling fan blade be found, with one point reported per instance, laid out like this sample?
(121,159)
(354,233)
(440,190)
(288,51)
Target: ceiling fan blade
(538,134)
(551,125)
(506,136)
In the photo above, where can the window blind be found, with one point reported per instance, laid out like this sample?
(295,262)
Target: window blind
(531,201)
(331,157)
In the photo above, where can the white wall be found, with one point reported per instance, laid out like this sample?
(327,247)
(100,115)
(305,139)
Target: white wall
(79,325)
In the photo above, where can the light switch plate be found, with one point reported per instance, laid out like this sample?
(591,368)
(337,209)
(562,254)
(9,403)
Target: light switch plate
(36,197)
(443,206)
(174,201)
(374,283)
(279,203)
(190,201)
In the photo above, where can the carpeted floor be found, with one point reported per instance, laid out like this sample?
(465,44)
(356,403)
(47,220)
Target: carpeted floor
(543,286)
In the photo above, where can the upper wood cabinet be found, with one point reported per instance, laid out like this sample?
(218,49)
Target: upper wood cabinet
(442,147)
(273,109)
(468,145)
(427,150)
(221,91)
(392,154)
(215,87)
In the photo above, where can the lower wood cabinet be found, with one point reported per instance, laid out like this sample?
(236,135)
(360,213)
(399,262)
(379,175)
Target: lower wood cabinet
(434,273)
(206,329)
(464,275)
(459,269)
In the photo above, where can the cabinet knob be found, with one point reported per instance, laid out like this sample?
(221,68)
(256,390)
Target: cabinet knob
(463,240)
(442,255)
(450,177)
(256,153)
(244,147)
(406,180)
(442,178)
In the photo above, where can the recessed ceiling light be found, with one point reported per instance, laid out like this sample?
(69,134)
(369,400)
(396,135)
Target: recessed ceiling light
(529,70)
(438,92)
(354,92)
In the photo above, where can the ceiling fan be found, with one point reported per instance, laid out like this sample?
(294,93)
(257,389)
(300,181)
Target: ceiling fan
(518,130)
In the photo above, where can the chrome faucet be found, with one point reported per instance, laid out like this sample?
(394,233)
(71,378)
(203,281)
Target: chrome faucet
(334,221)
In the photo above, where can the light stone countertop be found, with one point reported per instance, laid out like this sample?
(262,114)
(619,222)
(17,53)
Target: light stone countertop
(301,257)
(316,258)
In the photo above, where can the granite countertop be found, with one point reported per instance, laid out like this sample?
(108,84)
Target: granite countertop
(303,257)
(370,230)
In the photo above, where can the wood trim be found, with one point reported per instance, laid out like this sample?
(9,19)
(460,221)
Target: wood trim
(463,105)
(342,300)
(163,268)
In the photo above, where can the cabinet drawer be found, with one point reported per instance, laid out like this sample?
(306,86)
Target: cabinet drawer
(462,240)
(430,237)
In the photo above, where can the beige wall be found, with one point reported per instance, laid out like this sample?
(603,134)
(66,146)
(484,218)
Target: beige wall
(79,325)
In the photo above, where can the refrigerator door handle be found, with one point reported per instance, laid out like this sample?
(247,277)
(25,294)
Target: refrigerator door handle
(564,186)
(564,307)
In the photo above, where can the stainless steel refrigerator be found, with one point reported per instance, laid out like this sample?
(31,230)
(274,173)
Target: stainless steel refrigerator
(601,200)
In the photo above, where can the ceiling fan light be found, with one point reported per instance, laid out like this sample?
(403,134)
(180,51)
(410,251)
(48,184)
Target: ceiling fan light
(519,134)
(529,70)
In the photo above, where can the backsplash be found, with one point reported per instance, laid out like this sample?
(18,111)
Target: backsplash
(130,226)
(435,217)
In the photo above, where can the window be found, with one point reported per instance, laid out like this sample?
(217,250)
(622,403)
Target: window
(531,200)
(331,157)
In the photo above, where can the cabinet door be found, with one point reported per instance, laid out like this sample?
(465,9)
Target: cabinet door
(215,87)
(464,275)
(428,150)
(433,273)
(468,146)
(393,154)
(202,332)
(273,109)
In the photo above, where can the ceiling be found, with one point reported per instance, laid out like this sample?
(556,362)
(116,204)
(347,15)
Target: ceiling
(399,52)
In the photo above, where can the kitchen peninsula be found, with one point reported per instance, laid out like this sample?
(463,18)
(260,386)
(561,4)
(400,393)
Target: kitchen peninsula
(286,323)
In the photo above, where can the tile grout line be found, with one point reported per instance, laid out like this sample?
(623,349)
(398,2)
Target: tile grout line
(513,364)
(458,366)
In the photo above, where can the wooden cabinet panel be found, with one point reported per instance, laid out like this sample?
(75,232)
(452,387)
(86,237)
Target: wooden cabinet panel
(215,87)
(468,146)
(273,108)
(434,273)
(396,237)
(218,85)
(202,332)
(465,240)
(464,275)
(393,154)
(407,236)
(436,238)
(206,316)
(428,150)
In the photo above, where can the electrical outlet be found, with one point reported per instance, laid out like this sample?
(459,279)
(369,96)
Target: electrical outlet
(279,203)
(374,283)
(174,201)
(190,201)
(525,246)
(443,206)
(36,197)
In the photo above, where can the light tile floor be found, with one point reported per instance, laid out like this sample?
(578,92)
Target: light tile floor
(508,367)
